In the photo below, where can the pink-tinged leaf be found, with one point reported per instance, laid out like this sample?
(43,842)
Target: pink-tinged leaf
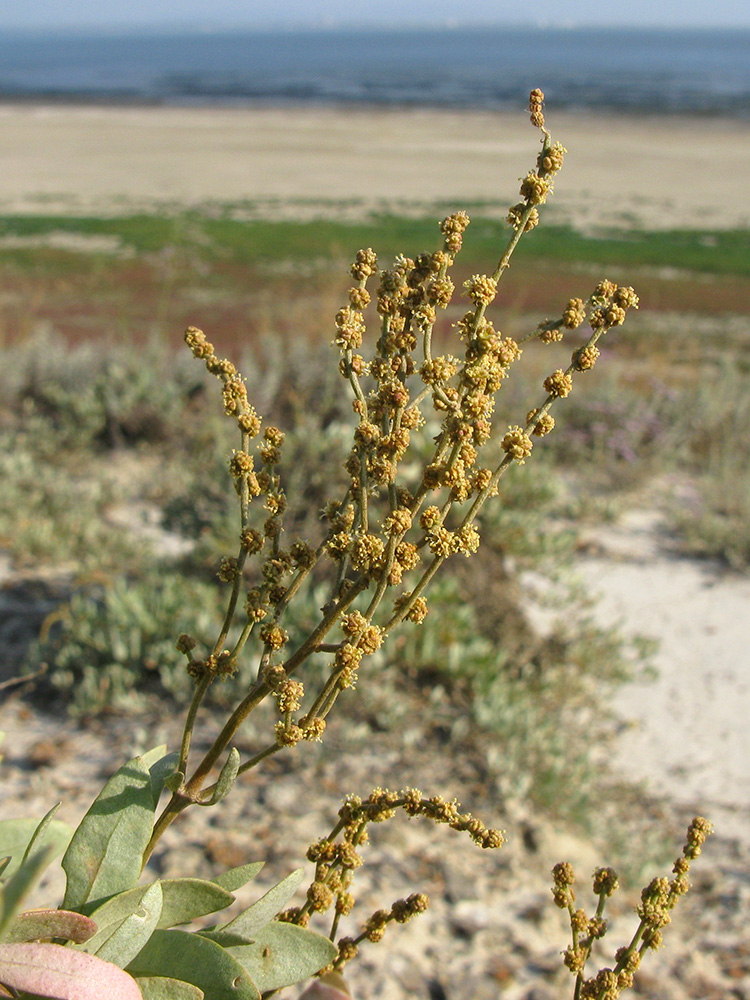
(36,925)
(64,974)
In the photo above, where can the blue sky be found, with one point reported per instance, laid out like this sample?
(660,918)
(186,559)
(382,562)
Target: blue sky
(320,13)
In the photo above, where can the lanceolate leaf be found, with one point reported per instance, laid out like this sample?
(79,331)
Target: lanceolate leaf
(16,834)
(152,757)
(235,878)
(125,923)
(37,838)
(106,852)
(37,925)
(185,899)
(20,885)
(162,988)
(256,916)
(226,779)
(63,973)
(160,769)
(283,954)
(196,960)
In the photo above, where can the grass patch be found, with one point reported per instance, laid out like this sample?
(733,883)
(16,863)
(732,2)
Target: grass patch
(722,252)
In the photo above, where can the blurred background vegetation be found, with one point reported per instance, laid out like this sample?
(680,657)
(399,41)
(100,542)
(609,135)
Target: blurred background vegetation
(116,506)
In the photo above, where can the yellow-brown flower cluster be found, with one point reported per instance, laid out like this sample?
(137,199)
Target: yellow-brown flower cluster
(234,390)
(536,105)
(657,901)
(558,384)
(517,444)
(453,228)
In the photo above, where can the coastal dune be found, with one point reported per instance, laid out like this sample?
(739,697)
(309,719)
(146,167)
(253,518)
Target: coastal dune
(647,172)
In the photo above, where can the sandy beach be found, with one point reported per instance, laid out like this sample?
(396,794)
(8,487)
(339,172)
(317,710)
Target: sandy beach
(655,173)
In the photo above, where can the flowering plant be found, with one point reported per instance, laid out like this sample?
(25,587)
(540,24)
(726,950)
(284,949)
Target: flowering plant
(385,536)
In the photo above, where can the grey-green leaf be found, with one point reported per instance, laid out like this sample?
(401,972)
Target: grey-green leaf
(283,954)
(226,779)
(16,834)
(37,838)
(185,899)
(20,885)
(174,781)
(256,916)
(235,878)
(160,772)
(164,988)
(194,959)
(152,757)
(125,923)
(106,853)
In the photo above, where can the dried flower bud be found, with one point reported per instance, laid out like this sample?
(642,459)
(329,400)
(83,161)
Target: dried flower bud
(534,189)
(551,160)
(481,289)
(558,384)
(698,831)
(585,358)
(365,264)
(273,635)
(563,873)
(517,444)
(515,217)
(359,298)
(543,425)
(228,569)
(185,643)
(626,297)
(371,639)
(289,695)
(605,881)
(288,736)
(574,314)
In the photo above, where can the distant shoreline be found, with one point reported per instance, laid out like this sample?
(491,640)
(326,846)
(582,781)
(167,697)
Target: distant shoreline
(623,171)
(93,100)
(461,67)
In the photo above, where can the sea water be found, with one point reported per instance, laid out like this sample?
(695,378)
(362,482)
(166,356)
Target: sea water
(635,70)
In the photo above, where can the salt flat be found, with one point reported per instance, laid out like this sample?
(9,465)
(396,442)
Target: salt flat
(651,172)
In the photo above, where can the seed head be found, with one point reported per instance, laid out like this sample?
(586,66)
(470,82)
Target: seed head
(365,264)
(543,425)
(585,358)
(289,695)
(574,314)
(605,881)
(515,217)
(558,384)
(534,189)
(517,444)
(481,289)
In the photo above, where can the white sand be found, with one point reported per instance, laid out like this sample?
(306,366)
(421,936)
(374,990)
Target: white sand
(688,735)
(654,172)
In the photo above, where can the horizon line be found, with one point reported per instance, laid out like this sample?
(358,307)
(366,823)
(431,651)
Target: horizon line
(200,27)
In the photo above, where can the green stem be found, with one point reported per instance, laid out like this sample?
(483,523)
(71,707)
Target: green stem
(187,733)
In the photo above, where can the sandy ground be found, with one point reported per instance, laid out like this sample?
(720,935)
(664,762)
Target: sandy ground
(652,172)
(686,733)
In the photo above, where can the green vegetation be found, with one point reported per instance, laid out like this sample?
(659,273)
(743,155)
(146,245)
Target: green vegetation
(219,235)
